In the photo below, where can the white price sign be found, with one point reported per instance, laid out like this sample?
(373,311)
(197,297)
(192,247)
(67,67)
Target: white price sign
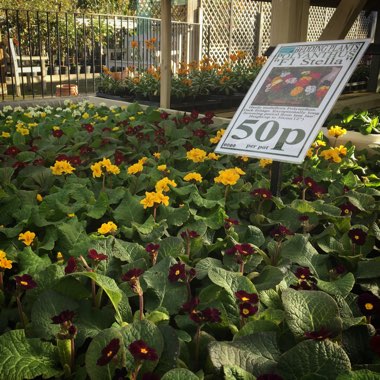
(290,99)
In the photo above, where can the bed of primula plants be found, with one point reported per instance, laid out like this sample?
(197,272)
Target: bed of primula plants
(130,250)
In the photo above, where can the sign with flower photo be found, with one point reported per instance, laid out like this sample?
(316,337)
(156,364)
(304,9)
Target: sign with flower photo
(290,99)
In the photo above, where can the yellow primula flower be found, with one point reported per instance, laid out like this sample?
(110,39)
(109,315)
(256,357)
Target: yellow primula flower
(107,228)
(216,139)
(157,155)
(264,162)
(244,158)
(85,115)
(71,215)
(318,143)
(27,237)
(336,131)
(135,168)
(193,177)
(96,170)
(59,258)
(39,197)
(161,168)
(62,167)
(310,152)
(163,184)
(196,155)
(334,154)
(56,128)
(213,156)
(229,176)
(6,135)
(4,262)
(132,118)
(154,198)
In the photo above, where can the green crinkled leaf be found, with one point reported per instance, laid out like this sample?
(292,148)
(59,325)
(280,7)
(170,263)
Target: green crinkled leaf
(314,360)
(257,353)
(129,210)
(256,326)
(362,201)
(363,374)
(255,236)
(230,281)
(23,358)
(213,219)
(236,373)
(368,269)
(90,321)
(179,374)
(342,286)
(355,342)
(175,216)
(31,263)
(94,352)
(109,286)
(171,349)
(268,278)
(97,210)
(204,265)
(206,203)
(300,251)
(71,234)
(126,251)
(161,292)
(171,247)
(324,208)
(310,310)
(47,305)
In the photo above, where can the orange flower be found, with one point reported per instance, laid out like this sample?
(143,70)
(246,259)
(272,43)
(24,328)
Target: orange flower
(134,44)
(296,91)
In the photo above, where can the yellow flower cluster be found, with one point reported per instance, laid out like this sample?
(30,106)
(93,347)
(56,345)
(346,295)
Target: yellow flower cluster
(213,156)
(264,162)
(105,163)
(216,139)
(138,167)
(193,177)
(196,155)
(20,128)
(107,228)
(4,262)
(334,154)
(163,185)
(229,176)
(62,167)
(27,237)
(162,168)
(6,135)
(154,198)
(336,131)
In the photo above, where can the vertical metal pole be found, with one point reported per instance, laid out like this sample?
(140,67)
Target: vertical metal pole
(165,54)
(276,178)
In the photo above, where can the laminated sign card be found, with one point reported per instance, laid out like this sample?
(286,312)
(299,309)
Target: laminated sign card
(290,99)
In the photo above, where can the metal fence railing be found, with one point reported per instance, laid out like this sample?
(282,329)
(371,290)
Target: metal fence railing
(42,51)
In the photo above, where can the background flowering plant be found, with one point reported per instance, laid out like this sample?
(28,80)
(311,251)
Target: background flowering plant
(157,258)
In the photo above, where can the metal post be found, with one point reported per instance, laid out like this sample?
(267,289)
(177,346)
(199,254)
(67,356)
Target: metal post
(275,178)
(165,54)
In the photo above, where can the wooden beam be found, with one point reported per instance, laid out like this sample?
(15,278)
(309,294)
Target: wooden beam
(165,64)
(342,20)
(289,21)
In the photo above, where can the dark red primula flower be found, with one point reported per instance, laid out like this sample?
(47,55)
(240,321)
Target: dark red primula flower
(303,273)
(229,222)
(151,247)
(88,127)
(247,309)
(303,218)
(244,296)
(63,316)
(141,351)
(177,272)
(132,274)
(190,306)
(71,265)
(194,114)
(12,151)
(244,249)
(280,232)
(62,157)
(75,160)
(347,208)
(25,282)
(164,115)
(368,303)
(58,133)
(262,193)
(94,255)
(321,334)
(189,234)
(357,236)
(211,314)
(109,352)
